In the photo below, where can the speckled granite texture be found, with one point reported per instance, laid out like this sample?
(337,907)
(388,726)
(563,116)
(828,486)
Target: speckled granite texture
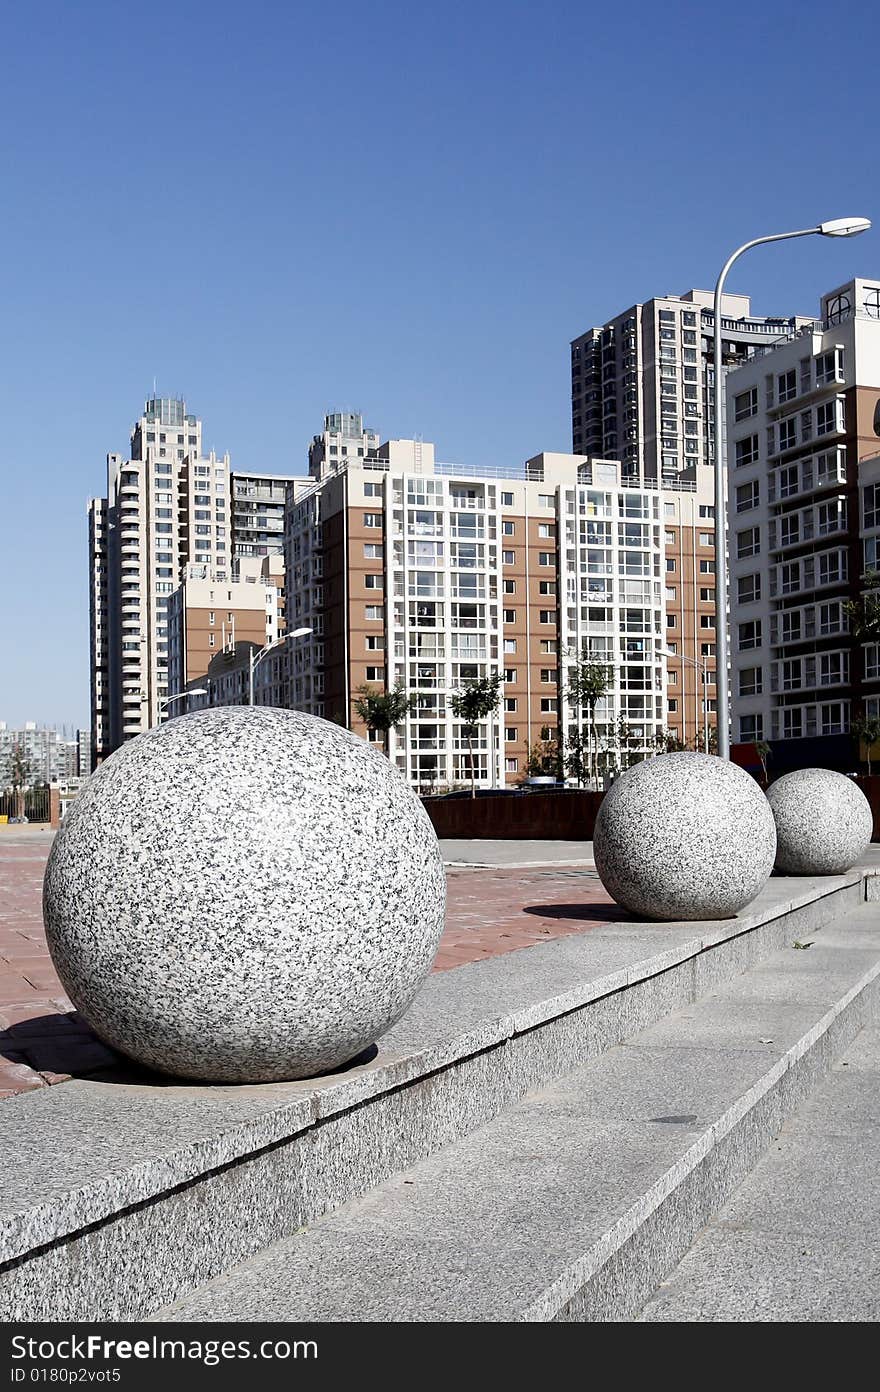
(823,822)
(684,836)
(244,895)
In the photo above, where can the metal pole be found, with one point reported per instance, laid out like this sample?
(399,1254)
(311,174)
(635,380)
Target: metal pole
(706,705)
(251,678)
(722,646)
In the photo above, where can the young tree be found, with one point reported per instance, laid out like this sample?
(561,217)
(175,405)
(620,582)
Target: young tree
(864,612)
(382,710)
(577,756)
(20,773)
(764,752)
(588,683)
(474,702)
(867,729)
(668,742)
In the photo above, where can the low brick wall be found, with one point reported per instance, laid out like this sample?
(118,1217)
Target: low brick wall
(554,816)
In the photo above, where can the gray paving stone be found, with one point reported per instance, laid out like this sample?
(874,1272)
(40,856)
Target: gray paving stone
(736,1275)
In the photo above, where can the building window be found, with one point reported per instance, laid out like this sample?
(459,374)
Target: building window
(746,451)
(546,558)
(670,563)
(510,645)
(372,519)
(548,616)
(507,528)
(509,674)
(672,705)
(511,765)
(548,676)
(548,704)
(507,500)
(547,587)
(510,616)
(510,705)
(707,621)
(826,418)
(372,490)
(373,551)
(374,611)
(750,681)
(745,404)
(546,530)
(748,496)
(376,674)
(510,734)
(373,582)
(786,386)
(750,635)
(748,543)
(671,621)
(508,558)
(751,728)
(748,589)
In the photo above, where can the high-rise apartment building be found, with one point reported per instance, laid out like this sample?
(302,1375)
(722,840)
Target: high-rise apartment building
(45,754)
(428,575)
(641,385)
(166,505)
(804,517)
(258,513)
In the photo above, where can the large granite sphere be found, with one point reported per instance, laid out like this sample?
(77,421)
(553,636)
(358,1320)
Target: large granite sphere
(244,895)
(684,836)
(823,822)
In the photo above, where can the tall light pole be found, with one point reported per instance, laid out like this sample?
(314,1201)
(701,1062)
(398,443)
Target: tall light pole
(165,701)
(701,665)
(837,227)
(255,658)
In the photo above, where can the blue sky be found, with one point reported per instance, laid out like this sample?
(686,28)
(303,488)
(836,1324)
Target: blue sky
(276,209)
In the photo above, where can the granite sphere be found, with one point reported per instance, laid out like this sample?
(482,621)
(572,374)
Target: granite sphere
(684,836)
(823,820)
(244,895)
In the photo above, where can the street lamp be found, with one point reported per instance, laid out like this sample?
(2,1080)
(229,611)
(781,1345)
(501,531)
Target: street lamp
(701,665)
(837,227)
(165,701)
(255,658)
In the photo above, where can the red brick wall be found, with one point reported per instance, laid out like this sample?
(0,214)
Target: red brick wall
(516,817)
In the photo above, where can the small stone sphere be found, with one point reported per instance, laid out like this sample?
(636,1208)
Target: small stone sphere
(684,836)
(823,820)
(244,895)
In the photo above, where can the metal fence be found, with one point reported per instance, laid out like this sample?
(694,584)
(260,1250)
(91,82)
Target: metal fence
(27,804)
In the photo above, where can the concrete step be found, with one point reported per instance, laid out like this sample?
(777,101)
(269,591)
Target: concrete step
(122,1193)
(798,1240)
(576,1201)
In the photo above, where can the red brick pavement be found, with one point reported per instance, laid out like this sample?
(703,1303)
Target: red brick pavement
(43,1041)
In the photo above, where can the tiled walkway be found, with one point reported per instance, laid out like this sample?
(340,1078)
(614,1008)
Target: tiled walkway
(42,1041)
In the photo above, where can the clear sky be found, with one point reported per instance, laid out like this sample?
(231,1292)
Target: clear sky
(280,208)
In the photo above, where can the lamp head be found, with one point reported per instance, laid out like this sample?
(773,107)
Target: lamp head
(844,227)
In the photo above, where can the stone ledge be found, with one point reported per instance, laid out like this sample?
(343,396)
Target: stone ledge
(476,1039)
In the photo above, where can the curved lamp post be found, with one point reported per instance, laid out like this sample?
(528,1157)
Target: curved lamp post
(837,227)
(256,658)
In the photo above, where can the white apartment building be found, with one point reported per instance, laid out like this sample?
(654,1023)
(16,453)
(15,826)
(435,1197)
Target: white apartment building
(166,505)
(427,575)
(804,515)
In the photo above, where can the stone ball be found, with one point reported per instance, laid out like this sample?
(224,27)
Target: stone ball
(684,836)
(823,820)
(244,895)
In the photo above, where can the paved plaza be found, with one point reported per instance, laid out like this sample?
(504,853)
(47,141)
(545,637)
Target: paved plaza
(503,896)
